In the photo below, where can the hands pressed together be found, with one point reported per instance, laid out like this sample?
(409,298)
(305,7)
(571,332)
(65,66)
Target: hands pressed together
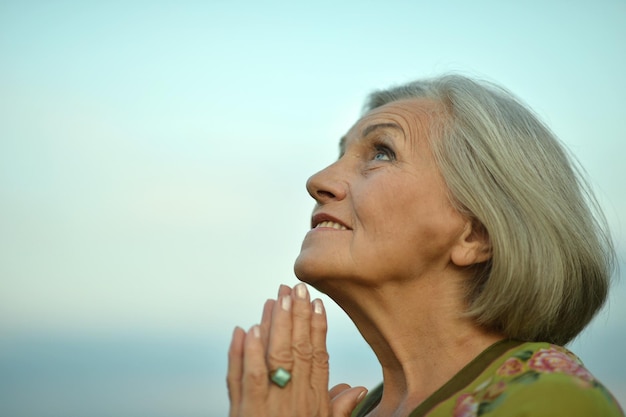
(291,336)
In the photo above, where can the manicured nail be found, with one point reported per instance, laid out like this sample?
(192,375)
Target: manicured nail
(318,307)
(256,331)
(361,395)
(285,303)
(301,291)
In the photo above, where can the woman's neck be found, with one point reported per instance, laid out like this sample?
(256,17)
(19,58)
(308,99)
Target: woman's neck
(421,340)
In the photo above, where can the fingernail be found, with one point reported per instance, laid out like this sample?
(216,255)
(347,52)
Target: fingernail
(256,331)
(301,291)
(361,395)
(285,303)
(318,307)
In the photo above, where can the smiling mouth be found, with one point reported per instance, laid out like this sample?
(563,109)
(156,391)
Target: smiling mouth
(332,225)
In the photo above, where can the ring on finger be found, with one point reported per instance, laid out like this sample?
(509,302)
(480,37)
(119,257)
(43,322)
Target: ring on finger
(280,376)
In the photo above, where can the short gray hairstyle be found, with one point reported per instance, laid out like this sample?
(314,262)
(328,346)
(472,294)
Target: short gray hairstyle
(552,255)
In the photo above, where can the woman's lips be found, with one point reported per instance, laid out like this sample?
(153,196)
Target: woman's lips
(323,220)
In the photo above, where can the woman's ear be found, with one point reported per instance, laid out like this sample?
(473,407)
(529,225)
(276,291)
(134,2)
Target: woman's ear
(473,245)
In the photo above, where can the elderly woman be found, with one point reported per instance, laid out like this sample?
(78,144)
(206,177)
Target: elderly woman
(457,235)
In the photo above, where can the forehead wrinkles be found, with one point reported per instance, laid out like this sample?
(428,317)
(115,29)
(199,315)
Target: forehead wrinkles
(423,119)
(414,117)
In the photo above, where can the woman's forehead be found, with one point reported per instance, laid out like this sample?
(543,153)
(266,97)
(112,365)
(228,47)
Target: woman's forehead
(411,117)
(410,107)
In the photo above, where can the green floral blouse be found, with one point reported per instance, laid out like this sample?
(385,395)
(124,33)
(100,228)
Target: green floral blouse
(516,379)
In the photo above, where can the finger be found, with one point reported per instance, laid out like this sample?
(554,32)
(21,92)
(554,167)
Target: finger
(255,374)
(303,387)
(279,346)
(337,389)
(319,363)
(344,403)
(265,322)
(267,313)
(301,334)
(283,290)
(235,370)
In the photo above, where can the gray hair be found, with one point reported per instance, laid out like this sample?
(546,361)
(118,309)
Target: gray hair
(552,255)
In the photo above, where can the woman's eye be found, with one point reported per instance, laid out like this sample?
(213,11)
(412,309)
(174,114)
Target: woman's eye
(383,153)
(382,156)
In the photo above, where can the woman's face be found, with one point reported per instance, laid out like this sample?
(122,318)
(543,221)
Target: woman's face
(382,209)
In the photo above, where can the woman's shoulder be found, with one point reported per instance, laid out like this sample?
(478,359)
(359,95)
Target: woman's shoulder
(516,379)
(533,379)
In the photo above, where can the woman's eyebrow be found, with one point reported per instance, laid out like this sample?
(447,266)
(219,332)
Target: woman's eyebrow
(369,129)
(372,128)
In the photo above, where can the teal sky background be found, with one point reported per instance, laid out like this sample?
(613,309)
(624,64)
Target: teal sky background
(153,155)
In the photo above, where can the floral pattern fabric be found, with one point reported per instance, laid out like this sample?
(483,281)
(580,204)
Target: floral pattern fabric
(516,379)
(534,379)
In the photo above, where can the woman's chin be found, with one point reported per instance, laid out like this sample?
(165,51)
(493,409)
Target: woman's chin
(311,270)
(305,270)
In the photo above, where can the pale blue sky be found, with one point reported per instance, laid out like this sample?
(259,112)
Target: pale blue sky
(153,154)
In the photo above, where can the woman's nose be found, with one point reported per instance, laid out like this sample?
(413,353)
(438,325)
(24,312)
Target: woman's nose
(327,185)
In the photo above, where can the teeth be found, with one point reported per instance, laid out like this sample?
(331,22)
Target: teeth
(331,224)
